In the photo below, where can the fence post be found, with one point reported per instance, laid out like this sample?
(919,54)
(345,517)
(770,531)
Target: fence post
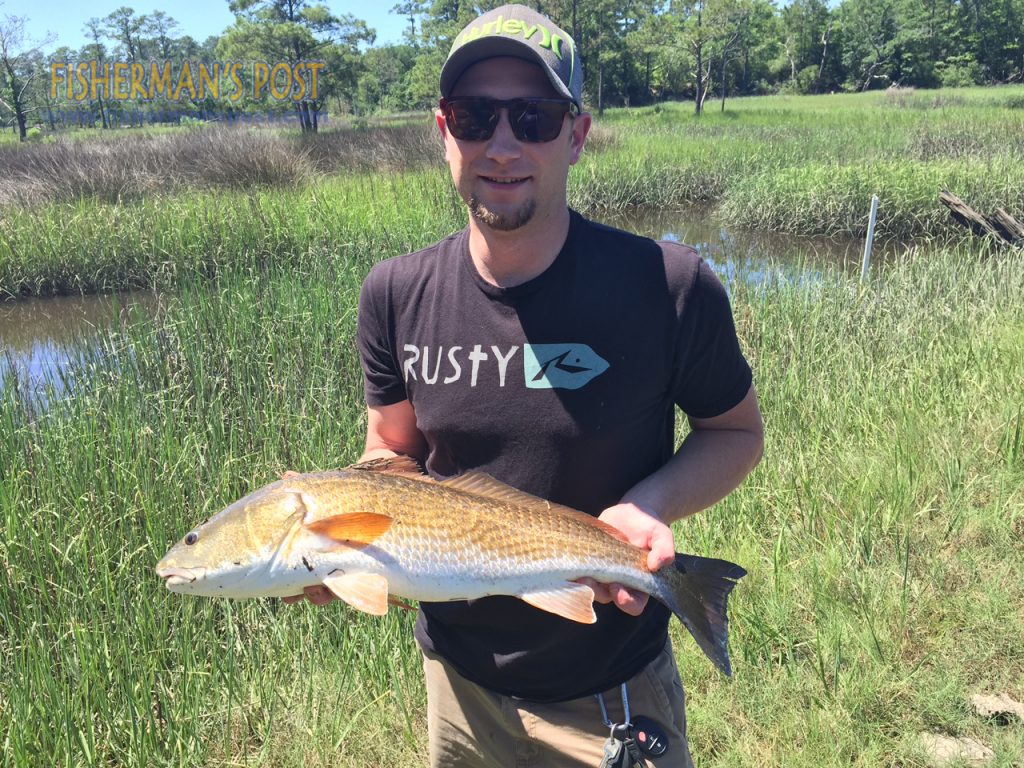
(866,262)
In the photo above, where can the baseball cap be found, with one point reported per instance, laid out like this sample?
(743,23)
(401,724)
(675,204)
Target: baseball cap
(515,30)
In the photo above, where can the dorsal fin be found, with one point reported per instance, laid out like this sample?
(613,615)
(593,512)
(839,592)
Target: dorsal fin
(482,484)
(405,466)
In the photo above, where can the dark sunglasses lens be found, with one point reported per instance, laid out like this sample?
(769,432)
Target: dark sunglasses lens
(471,120)
(537,121)
(532,120)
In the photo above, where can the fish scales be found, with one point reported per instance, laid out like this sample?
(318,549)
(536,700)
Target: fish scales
(465,532)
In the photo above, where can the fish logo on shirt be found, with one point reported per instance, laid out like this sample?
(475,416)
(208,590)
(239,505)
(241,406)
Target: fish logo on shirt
(561,366)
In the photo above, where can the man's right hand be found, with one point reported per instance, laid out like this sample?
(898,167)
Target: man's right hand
(317,594)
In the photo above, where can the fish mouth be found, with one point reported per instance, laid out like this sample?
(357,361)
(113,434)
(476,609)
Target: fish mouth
(176,577)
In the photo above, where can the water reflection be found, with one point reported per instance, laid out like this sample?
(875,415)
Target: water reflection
(757,258)
(39,337)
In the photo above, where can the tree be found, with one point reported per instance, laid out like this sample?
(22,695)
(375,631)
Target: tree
(97,52)
(126,28)
(870,34)
(411,9)
(158,27)
(654,43)
(695,36)
(294,31)
(16,71)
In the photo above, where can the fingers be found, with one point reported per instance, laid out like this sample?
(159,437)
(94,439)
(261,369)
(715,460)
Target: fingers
(602,593)
(629,600)
(317,595)
(662,548)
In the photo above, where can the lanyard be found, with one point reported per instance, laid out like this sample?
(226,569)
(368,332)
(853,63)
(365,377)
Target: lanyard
(604,710)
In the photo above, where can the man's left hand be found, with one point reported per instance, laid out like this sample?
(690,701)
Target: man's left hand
(642,530)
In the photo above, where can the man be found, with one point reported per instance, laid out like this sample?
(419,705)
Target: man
(550,352)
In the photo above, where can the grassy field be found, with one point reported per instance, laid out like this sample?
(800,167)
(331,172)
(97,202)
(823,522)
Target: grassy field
(882,532)
(85,215)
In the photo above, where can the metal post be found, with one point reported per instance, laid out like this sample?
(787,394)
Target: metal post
(866,263)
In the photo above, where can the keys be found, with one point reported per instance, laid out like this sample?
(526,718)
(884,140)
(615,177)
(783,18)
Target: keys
(620,749)
(649,736)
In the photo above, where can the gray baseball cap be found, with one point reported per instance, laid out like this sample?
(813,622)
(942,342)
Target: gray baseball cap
(515,30)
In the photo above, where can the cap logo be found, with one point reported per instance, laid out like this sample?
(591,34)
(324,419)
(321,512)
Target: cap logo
(502,26)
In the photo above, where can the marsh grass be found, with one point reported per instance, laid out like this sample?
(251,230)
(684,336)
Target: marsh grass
(158,241)
(150,209)
(882,531)
(133,165)
(809,165)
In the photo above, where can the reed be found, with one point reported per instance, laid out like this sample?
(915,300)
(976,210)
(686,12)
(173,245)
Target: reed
(135,164)
(881,531)
(84,215)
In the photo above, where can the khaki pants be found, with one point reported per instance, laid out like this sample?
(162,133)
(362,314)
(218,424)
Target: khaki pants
(472,727)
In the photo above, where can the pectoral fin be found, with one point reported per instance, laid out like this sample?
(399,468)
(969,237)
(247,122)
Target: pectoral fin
(354,529)
(569,600)
(365,592)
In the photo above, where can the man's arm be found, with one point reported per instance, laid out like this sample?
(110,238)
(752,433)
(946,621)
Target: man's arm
(713,459)
(390,430)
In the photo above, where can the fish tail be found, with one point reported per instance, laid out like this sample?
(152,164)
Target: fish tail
(697,591)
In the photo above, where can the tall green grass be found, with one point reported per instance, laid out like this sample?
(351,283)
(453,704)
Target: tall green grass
(809,165)
(95,214)
(91,246)
(882,531)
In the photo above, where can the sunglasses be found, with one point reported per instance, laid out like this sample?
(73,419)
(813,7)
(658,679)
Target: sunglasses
(532,120)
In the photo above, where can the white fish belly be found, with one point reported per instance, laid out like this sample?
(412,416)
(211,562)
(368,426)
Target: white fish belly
(427,580)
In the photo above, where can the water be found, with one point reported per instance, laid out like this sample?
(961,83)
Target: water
(38,336)
(755,257)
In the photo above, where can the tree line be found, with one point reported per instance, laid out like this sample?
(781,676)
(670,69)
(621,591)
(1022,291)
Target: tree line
(634,52)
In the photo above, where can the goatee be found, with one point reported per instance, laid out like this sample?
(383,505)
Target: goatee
(501,222)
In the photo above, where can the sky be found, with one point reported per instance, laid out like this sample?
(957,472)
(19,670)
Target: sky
(198,18)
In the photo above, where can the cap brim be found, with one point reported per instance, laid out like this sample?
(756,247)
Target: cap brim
(487,48)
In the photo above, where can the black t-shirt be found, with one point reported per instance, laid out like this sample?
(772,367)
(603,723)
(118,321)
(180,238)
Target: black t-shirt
(564,387)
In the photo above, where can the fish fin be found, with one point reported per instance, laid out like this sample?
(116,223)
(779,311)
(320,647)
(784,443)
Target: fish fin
(482,484)
(569,600)
(365,592)
(697,590)
(401,604)
(354,528)
(406,466)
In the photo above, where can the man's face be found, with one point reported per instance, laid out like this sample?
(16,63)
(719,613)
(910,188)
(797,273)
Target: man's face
(507,182)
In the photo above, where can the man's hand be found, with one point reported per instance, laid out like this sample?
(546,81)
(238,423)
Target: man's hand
(643,530)
(317,595)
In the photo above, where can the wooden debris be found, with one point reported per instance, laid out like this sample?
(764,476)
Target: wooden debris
(1000,707)
(946,750)
(1001,225)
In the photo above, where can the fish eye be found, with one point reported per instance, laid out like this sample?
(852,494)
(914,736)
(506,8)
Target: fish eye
(191,538)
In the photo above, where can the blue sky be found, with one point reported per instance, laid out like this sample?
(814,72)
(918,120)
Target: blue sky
(198,18)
